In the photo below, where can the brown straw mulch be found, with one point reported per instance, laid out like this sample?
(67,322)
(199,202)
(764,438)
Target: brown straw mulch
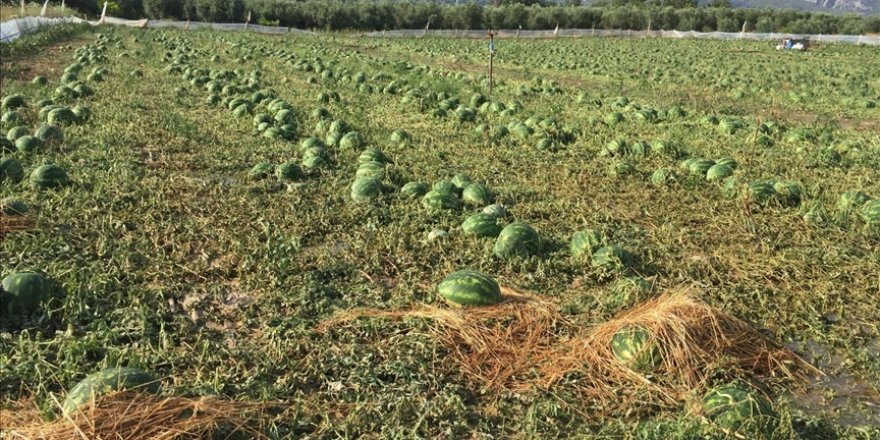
(9,223)
(129,415)
(525,343)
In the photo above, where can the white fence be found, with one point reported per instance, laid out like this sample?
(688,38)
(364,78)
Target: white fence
(873,40)
(12,29)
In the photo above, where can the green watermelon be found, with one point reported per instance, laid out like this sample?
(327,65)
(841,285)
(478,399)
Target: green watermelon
(310,142)
(727,161)
(871,212)
(108,381)
(288,171)
(719,172)
(351,141)
(732,187)
(12,102)
(662,176)
(16,132)
(400,137)
(11,170)
(49,176)
(313,162)
(49,134)
(13,207)
(700,167)
(497,210)
(61,116)
(470,288)
(477,194)
(11,117)
(444,186)
(373,155)
(738,409)
(610,257)
(261,171)
(28,144)
(614,118)
(584,242)
(635,347)
(365,188)
(852,200)
(622,168)
(27,292)
(517,240)
(617,147)
(371,169)
(413,190)
(789,192)
(461,181)
(40,81)
(436,200)
(482,225)
(761,191)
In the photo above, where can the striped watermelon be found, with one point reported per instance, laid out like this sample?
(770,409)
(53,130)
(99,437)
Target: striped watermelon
(738,409)
(365,188)
(700,167)
(635,347)
(871,212)
(11,170)
(444,186)
(289,171)
(373,155)
(662,176)
(718,172)
(436,200)
(517,240)
(610,257)
(413,190)
(49,134)
(27,292)
(584,242)
(108,381)
(470,288)
(852,200)
(261,171)
(732,187)
(49,176)
(482,225)
(371,169)
(28,144)
(13,207)
(477,194)
(761,191)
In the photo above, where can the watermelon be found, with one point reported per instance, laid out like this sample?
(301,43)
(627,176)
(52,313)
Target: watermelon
(61,116)
(444,186)
(719,172)
(316,152)
(12,102)
(871,212)
(49,134)
(497,210)
(470,288)
(437,234)
(662,147)
(436,200)
(584,242)
(700,167)
(662,176)
(373,155)
(261,171)
(610,257)
(761,191)
(11,170)
(727,161)
(635,347)
(738,409)
(789,192)
(270,132)
(288,171)
(639,148)
(477,194)
(400,137)
(16,132)
(371,169)
(365,188)
(617,147)
(28,144)
(27,292)
(413,190)
(6,146)
(40,81)
(313,162)
(311,142)
(351,141)
(622,168)
(333,139)
(11,117)
(461,181)
(517,240)
(482,225)
(13,207)
(108,381)
(731,187)
(614,118)
(49,176)
(339,126)
(852,200)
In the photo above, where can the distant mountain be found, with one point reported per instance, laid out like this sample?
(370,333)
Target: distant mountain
(857,6)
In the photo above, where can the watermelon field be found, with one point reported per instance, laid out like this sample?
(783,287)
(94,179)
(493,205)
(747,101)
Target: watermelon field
(225,235)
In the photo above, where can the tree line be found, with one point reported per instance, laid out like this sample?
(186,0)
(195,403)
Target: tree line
(682,15)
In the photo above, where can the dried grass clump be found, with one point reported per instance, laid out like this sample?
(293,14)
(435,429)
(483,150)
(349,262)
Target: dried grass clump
(135,416)
(9,223)
(525,343)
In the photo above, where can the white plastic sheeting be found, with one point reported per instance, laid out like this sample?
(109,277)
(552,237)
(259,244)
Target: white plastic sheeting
(873,40)
(12,29)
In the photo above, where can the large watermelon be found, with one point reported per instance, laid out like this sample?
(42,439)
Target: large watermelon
(436,200)
(49,176)
(700,167)
(517,240)
(636,348)
(27,292)
(49,134)
(413,190)
(584,242)
(61,116)
(12,102)
(761,191)
(28,144)
(373,155)
(482,225)
(719,172)
(610,257)
(11,170)
(288,171)
(371,169)
(738,409)
(477,195)
(108,381)
(871,212)
(365,188)
(444,186)
(470,288)
(461,181)
(11,117)
(852,200)
(16,132)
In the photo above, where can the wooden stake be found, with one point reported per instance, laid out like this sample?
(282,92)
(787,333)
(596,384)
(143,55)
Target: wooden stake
(491,59)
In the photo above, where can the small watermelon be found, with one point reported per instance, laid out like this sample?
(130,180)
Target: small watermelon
(49,134)
(610,257)
(261,171)
(738,409)
(584,242)
(288,171)
(470,288)
(482,225)
(788,192)
(371,169)
(701,167)
(477,194)
(27,292)
(13,207)
(311,142)
(461,181)
(400,137)
(28,144)
(662,176)
(373,155)
(436,200)
(761,191)
(871,212)
(852,200)
(497,210)
(636,348)
(108,381)
(517,240)
(11,170)
(351,141)
(365,188)
(719,172)
(732,187)
(413,190)
(49,176)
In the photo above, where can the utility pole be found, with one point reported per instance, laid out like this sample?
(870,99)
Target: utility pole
(491,60)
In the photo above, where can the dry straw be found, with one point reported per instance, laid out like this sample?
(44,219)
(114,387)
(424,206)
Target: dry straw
(525,343)
(137,416)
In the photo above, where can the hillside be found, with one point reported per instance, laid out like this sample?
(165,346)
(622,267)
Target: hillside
(859,6)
